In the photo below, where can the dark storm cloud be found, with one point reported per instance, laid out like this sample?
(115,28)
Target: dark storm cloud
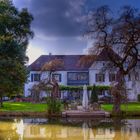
(57,23)
(61,18)
(115,5)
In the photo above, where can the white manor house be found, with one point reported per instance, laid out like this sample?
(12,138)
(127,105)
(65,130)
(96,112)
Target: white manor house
(73,74)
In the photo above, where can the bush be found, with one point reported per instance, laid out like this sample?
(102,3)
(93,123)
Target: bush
(94,95)
(54,106)
(138,97)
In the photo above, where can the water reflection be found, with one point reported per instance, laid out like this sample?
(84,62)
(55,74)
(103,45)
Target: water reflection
(70,129)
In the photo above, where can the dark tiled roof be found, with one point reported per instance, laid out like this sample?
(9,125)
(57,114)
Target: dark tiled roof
(71,62)
(103,56)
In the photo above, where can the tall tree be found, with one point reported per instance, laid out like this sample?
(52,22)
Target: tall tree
(120,33)
(15,32)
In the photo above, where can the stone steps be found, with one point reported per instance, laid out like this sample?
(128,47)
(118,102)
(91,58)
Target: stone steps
(79,114)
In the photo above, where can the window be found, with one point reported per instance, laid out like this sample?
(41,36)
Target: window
(74,76)
(57,77)
(100,77)
(137,76)
(129,77)
(78,78)
(35,77)
(112,77)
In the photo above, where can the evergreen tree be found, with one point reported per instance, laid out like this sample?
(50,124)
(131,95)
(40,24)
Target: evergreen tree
(15,33)
(94,95)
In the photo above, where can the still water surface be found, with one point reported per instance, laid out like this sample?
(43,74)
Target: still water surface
(69,129)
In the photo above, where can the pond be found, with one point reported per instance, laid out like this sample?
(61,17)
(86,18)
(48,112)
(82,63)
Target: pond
(69,129)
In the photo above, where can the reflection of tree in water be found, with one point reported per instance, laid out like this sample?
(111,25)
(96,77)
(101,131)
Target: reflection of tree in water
(8,135)
(94,131)
(118,124)
(8,131)
(94,123)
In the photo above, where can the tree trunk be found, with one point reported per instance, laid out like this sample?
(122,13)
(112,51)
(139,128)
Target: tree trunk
(35,97)
(55,89)
(117,107)
(117,93)
(117,127)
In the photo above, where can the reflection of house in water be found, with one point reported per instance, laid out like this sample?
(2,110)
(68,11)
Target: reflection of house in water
(40,129)
(66,132)
(131,130)
(34,131)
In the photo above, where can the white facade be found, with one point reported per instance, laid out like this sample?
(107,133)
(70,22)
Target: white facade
(96,68)
(133,84)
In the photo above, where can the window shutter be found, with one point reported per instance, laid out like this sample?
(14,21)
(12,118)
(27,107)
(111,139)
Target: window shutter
(32,77)
(103,77)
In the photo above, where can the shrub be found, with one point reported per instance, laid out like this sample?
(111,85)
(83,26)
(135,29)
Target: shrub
(54,106)
(139,97)
(94,95)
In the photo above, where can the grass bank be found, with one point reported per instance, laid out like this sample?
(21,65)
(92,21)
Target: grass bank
(24,107)
(27,109)
(129,109)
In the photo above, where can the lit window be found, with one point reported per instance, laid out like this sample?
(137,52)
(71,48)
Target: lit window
(100,77)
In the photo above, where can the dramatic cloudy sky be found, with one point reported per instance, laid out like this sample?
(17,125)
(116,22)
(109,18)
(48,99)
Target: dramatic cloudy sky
(58,24)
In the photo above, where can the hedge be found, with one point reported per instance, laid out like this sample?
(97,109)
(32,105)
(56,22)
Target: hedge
(138,97)
(77,88)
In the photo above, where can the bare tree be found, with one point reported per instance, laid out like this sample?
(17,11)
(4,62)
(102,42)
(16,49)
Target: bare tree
(119,34)
(51,67)
(49,82)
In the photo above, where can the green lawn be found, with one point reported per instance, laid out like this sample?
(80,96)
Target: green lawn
(30,107)
(130,107)
(22,106)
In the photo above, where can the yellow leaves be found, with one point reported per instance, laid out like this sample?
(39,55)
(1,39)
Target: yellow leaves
(86,60)
(52,65)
